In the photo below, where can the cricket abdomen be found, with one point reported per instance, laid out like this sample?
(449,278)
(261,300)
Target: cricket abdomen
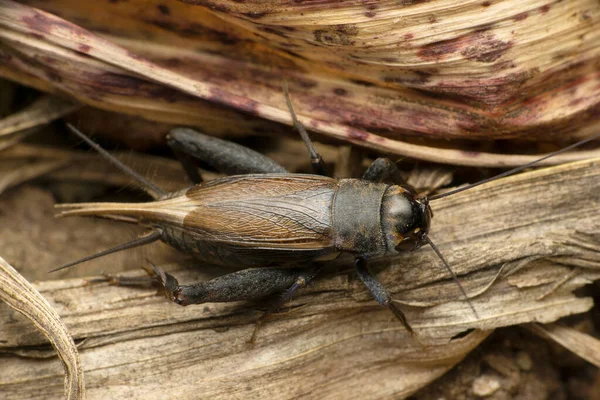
(253,220)
(236,255)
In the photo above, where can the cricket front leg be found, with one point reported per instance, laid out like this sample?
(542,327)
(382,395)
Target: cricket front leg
(379,293)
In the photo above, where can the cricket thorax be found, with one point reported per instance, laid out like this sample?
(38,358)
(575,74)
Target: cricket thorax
(357,217)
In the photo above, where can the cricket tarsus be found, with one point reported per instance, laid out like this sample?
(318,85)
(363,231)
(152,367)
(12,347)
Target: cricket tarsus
(515,170)
(146,239)
(150,187)
(400,315)
(315,158)
(462,289)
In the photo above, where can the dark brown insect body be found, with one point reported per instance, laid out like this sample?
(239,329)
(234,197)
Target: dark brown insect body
(283,223)
(278,219)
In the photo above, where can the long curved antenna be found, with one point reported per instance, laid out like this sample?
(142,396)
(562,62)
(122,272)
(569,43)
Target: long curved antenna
(146,239)
(462,289)
(148,186)
(514,170)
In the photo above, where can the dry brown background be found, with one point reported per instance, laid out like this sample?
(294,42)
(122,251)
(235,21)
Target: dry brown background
(428,80)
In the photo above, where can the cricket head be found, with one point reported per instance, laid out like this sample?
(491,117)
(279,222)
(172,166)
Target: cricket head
(405,222)
(405,219)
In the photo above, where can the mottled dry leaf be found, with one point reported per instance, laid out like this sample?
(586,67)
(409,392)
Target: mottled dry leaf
(503,239)
(24,298)
(348,79)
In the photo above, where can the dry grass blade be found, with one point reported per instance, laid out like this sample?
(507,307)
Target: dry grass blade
(44,110)
(503,239)
(23,173)
(24,298)
(90,167)
(585,346)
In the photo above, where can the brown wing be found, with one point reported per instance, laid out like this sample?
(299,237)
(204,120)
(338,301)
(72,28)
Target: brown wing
(270,211)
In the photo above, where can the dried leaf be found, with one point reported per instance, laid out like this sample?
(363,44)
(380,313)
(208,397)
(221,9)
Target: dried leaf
(429,179)
(24,298)
(43,111)
(543,89)
(24,172)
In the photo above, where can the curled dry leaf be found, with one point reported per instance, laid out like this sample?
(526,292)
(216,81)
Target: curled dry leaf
(503,239)
(368,74)
(430,179)
(24,298)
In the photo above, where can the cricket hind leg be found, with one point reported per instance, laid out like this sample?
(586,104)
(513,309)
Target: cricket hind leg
(149,281)
(248,284)
(379,293)
(303,278)
(227,157)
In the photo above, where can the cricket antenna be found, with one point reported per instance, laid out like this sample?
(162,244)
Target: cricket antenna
(146,239)
(148,186)
(514,170)
(462,289)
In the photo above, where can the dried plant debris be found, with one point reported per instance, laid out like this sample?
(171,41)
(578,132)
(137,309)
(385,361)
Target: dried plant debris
(512,365)
(15,127)
(396,78)
(34,242)
(21,296)
(429,179)
(204,64)
(43,111)
(14,173)
(332,340)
